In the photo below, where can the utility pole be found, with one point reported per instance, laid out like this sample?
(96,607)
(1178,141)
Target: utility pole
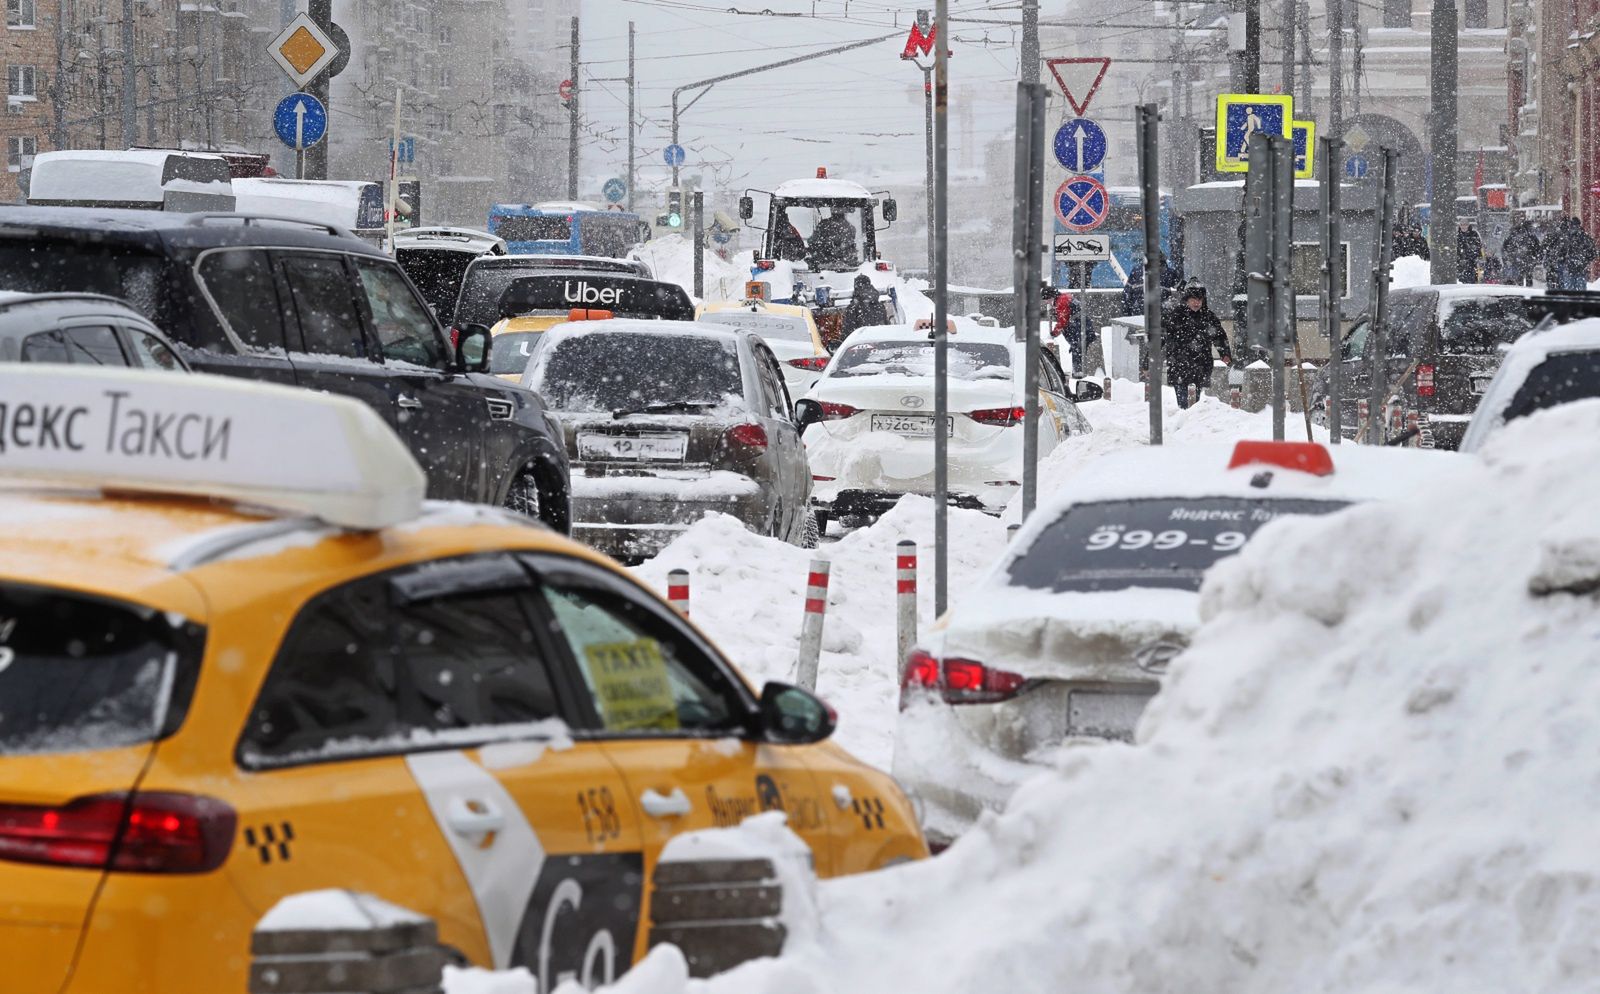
(1378,347)
(316,157)
(572,118)
(1030,41)
(698,219)
(1291,10)
(1336,72)
(1442,144)
(1150,203)
(632,83)
(1252,46)
(1333,278)
(1027,208)
(941,281)
(927,134)
(130,80)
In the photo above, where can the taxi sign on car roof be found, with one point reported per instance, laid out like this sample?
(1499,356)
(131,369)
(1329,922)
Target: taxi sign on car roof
(273,446)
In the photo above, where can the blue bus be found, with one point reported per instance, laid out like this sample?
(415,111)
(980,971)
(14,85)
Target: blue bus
(1125,225)
(566,229)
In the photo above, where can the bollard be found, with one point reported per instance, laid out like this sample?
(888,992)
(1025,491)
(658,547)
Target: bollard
(811,625)
(1011,531)
(1413,424)
(1105,385)
(1194,395)
(678,590)
(1236,396)
(905,599)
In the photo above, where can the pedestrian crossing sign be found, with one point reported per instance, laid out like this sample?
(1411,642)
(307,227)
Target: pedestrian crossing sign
(1305,148)
(1240,115)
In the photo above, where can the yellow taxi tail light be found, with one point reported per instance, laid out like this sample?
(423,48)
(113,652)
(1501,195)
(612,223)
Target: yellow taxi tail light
(154,832)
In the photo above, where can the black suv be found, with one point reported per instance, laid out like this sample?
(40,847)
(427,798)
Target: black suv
(309,305)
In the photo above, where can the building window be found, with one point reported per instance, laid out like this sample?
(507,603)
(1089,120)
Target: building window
(446,77)
(446,36)
(20,83)
(1475,13)
(20,150)
(19,13)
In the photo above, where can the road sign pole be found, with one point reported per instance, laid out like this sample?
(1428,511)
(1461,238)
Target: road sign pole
(632,82)
(941,282)
(392,199)
(572,121)
(1379,335)
(699,244)
(1332,284)
(1282,164)
(1150,203)
(316,157)
(1026,273)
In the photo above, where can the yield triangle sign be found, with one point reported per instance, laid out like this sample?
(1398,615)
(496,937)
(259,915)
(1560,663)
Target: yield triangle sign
(1078,79)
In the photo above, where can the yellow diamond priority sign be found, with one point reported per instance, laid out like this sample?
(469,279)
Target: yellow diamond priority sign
(304,50)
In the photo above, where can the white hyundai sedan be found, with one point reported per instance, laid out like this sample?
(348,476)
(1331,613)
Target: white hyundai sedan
(1069,635)
(869,420)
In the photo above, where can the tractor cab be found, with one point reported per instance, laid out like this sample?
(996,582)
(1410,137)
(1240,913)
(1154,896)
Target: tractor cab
(819,235)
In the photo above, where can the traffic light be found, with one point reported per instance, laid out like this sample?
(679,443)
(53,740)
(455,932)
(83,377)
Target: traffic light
(674,208)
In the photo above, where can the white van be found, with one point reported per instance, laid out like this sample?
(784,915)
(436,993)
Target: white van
(142,178)
(353,204)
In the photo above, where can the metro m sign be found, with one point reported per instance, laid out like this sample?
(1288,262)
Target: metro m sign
(918,42)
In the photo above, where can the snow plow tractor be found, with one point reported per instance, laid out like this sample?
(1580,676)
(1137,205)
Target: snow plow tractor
(820,235)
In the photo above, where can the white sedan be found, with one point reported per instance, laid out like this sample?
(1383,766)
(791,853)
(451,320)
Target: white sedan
(869,420)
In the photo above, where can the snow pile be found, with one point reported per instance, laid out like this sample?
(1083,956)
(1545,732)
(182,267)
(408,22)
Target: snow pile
(763,836)
(334,910)
(1373,771)
(748,593)
(671,258)
(1122,421)
(1410,270)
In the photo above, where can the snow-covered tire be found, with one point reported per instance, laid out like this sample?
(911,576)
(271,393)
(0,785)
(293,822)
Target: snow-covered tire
(812,535)
(524,497)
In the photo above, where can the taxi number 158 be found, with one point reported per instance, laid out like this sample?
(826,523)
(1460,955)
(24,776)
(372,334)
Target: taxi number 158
(600,819)
(1138,538)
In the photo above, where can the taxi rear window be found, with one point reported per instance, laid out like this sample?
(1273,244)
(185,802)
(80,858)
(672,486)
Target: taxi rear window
(1165,543)
(81,673)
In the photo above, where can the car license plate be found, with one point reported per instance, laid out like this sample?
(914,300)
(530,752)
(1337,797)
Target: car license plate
(909,424)
(1480,383)
(633,448)
(1104,714)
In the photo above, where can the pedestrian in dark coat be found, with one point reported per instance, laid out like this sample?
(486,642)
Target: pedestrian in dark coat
(1521,253)
(1577,254)
(865,309)
(1190,331)
(1469,252)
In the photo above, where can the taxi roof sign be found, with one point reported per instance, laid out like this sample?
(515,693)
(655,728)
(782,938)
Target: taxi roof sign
(1241,115)
(303,50)
(273,446)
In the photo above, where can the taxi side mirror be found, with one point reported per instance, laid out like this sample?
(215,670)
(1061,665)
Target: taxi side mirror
(747,207)
(472,349)
(793,716)
(1088,391)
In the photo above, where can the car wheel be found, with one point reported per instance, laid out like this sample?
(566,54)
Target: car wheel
(812,536)
(523,497)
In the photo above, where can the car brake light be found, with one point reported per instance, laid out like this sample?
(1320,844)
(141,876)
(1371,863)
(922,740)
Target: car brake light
(1425,380)
(958,681)
(747,436)
(766,264)
(836,412)
(810,362)
(1003,416)
(139,833)
(1307,457)
(883,267)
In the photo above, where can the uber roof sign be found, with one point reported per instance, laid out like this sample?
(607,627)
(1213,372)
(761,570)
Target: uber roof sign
(207,436)
(625,295)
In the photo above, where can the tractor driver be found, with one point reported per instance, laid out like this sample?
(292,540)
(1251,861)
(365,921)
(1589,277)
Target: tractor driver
(833,243)
(788,245)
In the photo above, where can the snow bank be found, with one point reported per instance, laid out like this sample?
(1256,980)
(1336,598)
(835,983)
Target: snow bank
(1409,270)
(748,593)
(1377,775)
(671,257)
(333,910)
(1122,421)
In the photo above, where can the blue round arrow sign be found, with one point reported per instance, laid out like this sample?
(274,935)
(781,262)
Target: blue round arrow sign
(300,120)
(1355,167)
(674,155)
(1080,145)
(615,190)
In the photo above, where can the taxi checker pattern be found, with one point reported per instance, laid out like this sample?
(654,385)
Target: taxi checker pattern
(443,705)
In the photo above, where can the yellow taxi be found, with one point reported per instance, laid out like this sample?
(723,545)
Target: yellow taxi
(532,305)
(788,329)
(242,658)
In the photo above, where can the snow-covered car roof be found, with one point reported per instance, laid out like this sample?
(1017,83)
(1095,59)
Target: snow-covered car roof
(1360,472)
(596,263)
(573,329)
(1520,359)
(466,240)
(135,175)
(967,330)
(836,189)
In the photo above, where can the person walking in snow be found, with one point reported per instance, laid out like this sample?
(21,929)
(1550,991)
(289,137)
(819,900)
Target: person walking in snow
(1066,325)
(865,309)
(1577,254)
(1190,331)
(1469,252)
(1521,253)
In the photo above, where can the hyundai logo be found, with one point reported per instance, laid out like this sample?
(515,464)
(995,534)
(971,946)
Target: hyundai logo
(1157,656)
(912,401)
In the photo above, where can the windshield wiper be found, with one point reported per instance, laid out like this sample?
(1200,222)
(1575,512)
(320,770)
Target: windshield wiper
(673,407)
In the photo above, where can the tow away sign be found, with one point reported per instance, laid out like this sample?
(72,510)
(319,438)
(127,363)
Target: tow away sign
(1083,248)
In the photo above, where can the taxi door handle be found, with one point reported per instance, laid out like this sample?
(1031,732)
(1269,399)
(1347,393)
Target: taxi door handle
(473,817)
(658,805)
(409,402)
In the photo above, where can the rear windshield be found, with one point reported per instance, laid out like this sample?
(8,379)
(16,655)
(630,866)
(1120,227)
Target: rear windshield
(1166,543)
(534,229)
(622,371)
(1561,379)
(59,265)
(80,673)
(972,361)
(511,352)
(1480,325)
(773,327)
(437,274)
(480,293)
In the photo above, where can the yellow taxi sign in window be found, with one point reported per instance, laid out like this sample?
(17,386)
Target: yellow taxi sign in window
(632,685)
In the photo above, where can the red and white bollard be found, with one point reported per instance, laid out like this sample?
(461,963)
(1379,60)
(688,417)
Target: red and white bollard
(905,599)
(1194,395)
(1105,387)
(678,590)
(811,625)
(1414,426)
